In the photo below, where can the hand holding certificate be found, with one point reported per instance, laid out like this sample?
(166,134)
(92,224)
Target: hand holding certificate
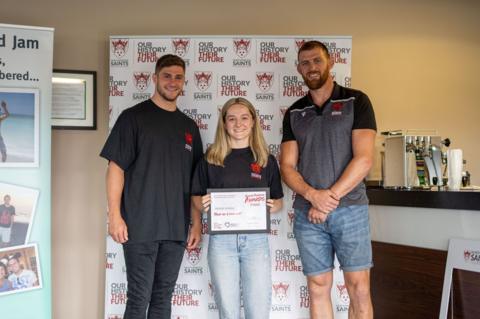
(241,210)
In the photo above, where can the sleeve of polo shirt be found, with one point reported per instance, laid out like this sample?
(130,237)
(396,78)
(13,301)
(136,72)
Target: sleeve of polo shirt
(121,143)
(364,116)
(287,128)
(200,178)
(275,181)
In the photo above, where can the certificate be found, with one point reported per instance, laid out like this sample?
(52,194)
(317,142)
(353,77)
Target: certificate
(239,210)
(74,100)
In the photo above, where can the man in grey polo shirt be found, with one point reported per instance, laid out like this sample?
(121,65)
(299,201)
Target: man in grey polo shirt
(327,150)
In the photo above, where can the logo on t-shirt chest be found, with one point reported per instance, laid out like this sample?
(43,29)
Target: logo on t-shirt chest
(337,109)
(188,141)
(256,171)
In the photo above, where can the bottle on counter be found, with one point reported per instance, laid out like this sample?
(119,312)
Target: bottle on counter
(465,175)
(420,167)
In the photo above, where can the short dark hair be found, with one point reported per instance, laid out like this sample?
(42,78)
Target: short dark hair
(310,45)
(15,256)
(169,60)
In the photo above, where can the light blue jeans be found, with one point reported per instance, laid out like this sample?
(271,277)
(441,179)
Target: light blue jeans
(242,259)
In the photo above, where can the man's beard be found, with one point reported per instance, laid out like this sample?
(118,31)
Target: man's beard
(164,95)
(317,83)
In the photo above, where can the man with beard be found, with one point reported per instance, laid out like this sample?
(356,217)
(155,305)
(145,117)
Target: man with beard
(327,150)
(152,151)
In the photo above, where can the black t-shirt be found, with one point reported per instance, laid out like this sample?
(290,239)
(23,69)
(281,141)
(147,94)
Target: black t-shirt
(6,214)
(239,171)
(158,151)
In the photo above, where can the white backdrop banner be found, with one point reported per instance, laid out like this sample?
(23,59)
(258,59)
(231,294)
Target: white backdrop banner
(263,70)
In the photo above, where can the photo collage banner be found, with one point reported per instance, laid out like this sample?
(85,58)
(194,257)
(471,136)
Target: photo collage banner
(26,56)
(261,69)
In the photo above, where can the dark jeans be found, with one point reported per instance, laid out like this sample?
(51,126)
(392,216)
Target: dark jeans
(152,271)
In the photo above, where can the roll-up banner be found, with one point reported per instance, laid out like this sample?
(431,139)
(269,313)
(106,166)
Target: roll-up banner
(26,55)
(263,70)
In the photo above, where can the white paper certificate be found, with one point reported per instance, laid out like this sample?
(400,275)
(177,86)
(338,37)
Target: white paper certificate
(68,100)
(239,210)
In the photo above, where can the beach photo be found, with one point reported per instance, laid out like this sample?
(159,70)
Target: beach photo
(19,127)
(17,209)
(19,269)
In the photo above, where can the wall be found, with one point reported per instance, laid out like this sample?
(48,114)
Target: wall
(416,60)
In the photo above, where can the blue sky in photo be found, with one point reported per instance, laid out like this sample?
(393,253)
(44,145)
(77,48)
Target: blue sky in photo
(19,103)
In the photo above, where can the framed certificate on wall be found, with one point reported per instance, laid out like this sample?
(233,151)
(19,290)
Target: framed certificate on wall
(74,101)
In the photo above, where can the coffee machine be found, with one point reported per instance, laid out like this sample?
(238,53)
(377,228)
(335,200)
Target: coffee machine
(413,158)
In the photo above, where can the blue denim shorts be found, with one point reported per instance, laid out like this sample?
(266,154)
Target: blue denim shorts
(346,233)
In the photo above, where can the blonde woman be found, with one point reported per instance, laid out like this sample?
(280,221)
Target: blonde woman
(239,158)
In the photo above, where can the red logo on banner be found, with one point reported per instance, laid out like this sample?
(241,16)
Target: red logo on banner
(291,217)
(119,47)
(342,294)
(280,291)
(299,43)
(264,80)
(180,46)
(141,80)
(241,47)
(194,256)
(203,80)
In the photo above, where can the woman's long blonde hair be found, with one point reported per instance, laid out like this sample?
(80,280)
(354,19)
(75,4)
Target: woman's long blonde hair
(220,148)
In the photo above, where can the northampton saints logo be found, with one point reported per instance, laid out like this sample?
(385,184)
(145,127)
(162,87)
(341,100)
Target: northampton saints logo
(181,46)
(280,291)
(264,80)
(119,47)
(203,80)
(141,80)
(241,47)
(193,256)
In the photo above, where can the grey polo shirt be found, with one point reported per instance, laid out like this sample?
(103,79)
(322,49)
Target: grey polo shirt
(324,137)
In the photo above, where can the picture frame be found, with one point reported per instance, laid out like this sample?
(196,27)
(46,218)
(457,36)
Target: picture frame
(17,213)
(23,269)
(19,127)
(74,100)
